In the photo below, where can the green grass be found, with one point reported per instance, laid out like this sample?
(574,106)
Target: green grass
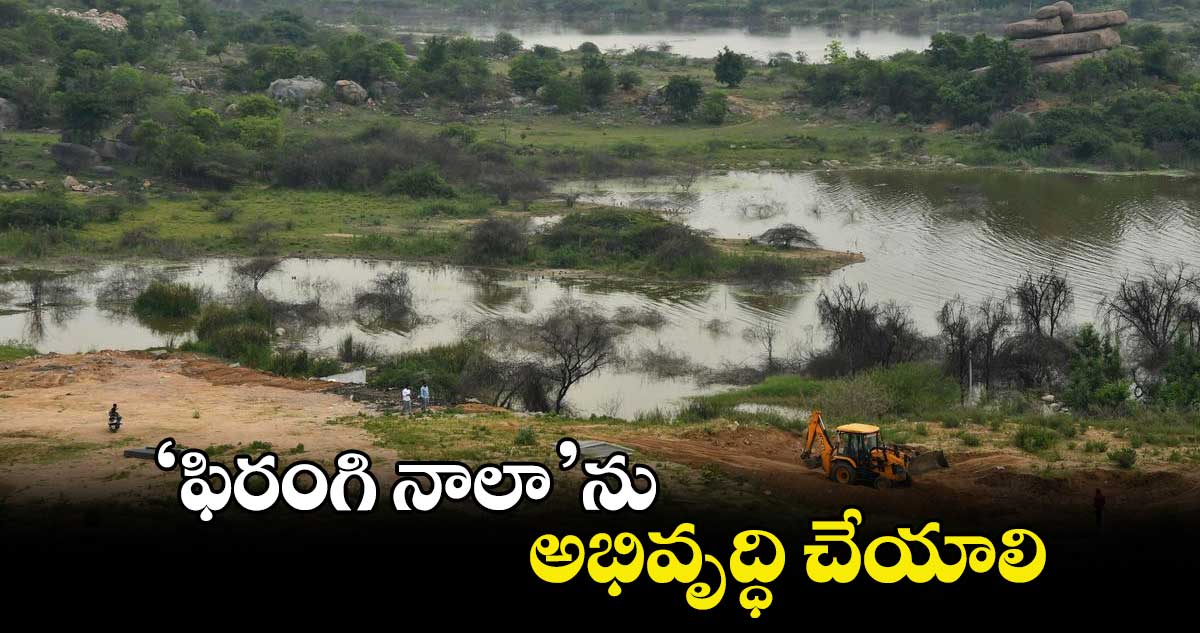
(11,351)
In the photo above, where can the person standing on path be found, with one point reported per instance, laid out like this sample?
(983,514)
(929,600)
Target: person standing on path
(1098,504)
(406,396)
(424,397)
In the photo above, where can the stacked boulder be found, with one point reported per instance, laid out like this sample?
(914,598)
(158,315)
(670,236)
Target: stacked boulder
(1057,38)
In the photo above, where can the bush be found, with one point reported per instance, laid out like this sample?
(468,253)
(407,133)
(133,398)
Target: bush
(445,368)
(166,300)
(1095,446)
(496,241)
(970,439)
(1096,382)
(564,93)
(419,182)
(525,437)
(1123,457)
(683,95)
(41,210)
(1033,439)
(715,108)
(300,364)
(628,79)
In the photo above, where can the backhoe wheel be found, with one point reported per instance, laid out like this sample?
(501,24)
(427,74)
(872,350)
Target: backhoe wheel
(843,474)
(883,483)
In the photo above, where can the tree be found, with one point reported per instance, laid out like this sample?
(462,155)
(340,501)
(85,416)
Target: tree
(994,321)
(1043,301)
(1095,380)
(955,326)
(1157,310)
(257,269)
(506,44)
(1010,75)
(764,333)
(1181,377)
(580,340)
(528,72)
(596,80)
(683,95)
(788,236)
(730,68)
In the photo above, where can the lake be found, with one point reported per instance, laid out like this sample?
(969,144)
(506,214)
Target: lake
(926,235)
(700,42)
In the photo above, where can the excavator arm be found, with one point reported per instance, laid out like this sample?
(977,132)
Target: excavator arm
(818,432)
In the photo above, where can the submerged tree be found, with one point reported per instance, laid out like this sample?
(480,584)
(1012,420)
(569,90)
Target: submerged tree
(257,269)
(788,236)
(580,340)
(1157,310)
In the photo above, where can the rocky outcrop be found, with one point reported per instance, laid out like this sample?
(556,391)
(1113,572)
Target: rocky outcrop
(104,21)
(349,92)
(1093,21)
(1063,65)
(296,90)
(10,116)
(1069,43)
(1057,38)
(1033,28)
(74,157)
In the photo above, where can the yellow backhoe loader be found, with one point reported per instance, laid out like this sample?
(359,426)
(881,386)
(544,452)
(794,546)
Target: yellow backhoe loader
(858,455)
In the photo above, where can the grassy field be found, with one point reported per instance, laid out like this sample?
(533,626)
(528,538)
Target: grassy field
(12,351)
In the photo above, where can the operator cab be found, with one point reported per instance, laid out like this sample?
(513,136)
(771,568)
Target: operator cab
(856,441)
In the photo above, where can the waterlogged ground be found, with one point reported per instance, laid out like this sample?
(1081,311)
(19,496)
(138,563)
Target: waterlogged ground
(928,236)
(701,323)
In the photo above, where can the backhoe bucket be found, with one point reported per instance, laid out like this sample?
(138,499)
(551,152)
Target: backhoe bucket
(927,461)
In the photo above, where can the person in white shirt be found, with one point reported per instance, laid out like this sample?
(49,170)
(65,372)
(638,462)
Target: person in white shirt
(406,396)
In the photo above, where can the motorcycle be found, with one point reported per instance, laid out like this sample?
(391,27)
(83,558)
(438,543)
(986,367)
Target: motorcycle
(114,423)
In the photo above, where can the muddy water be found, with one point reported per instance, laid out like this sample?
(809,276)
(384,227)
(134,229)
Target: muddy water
(82,315)
(928,236)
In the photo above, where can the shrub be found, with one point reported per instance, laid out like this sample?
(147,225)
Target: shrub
(299,363)
(683,95)
(715,108)
(1095,446)
(1123,457)
(970,439)
(1034,438)
(1096,381)
(525,437)
(41,210)
(166,300)
(445,368)
(564,93)
(496,241)
(628,79)
(419,182)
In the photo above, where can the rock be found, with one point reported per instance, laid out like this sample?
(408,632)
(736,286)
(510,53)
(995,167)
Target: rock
(924,159)
(74,185)
(1069,43)
(296,90)
(10,116)
(385,89)
(1026,29)
(1063,65)
(349,92)
(1047,12)
(764,163)
(1065,10)
(1048,398)
(109,149)
(104,21)
(74,157)
(1092,21)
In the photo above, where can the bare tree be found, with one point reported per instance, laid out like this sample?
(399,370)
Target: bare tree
(995,319)
(257,269)
(390,299)
(1043,301)
(955,326)
(579,339)
(764,333)
(1157,309)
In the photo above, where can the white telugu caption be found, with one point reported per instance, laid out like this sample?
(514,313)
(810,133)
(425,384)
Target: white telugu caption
(207,487)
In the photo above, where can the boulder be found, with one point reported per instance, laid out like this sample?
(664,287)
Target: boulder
(109,149)
(1047,12)
(1065,10)
(1063,65)
(74,185)
(385,89)
(10,116)
(296,90)
(1033,28)
(74,157)
(349,92)
(1069,43)
(1093,21)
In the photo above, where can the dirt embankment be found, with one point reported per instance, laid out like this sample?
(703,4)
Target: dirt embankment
(54,441)
(54,445)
